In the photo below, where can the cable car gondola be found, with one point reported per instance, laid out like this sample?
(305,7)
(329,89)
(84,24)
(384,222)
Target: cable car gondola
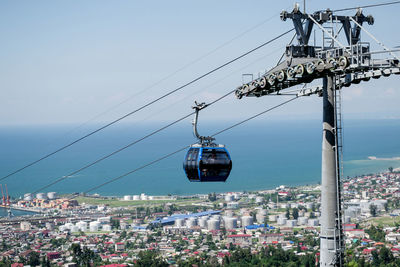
(206,161)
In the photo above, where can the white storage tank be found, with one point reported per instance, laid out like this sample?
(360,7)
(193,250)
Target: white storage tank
(229,213)
(260,218)
(41,196)
(106,227)
(272,218)
(28,197)
(94,226)
(229,198)
(230,223)
(52,195)
(291,223)
(82,226)
(282,216)
(203,222)
(313,222)
(136,197)
(191,222)
(247,220)
(213,224)
(302,220)
(282,221)
(180,223)
(68,225)
(262,212)
(127,198)
(216,217)
(74,229)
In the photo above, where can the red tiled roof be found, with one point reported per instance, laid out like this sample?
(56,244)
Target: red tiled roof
(114,265)
(242,235)
(368,250)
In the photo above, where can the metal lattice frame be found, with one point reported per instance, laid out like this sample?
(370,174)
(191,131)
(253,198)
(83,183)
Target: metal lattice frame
(339,66)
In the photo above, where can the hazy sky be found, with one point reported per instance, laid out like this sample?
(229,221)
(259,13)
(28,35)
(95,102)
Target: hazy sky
(69,61)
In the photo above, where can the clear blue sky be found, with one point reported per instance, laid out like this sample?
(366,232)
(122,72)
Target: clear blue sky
(68,61)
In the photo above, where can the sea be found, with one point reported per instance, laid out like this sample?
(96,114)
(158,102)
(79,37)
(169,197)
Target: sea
(14,213)
(265,154)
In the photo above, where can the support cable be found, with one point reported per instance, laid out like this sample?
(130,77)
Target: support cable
(367,6)
(148,104)
(178,70)
(325,31)
(376,40)
(182,149)
(127,146)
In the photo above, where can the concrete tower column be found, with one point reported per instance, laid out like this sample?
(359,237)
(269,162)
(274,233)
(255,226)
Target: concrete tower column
(329,235)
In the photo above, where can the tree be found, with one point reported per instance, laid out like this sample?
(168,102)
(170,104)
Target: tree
(114,223)
(385,255)
(287,213)
(87,257)
(45,262)
(212,197)
(150,259)
(390,169)
(295,213)
(376,233)
(76,252)
(313,207)
(386,205)
(373,209)
(34,258)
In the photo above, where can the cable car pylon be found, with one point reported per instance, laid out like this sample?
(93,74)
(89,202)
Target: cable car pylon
(205,160)
(339,66)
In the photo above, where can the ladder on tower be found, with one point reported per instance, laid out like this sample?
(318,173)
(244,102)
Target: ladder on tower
(327,40)
(339,173)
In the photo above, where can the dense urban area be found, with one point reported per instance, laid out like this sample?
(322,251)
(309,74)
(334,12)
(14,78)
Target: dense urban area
(278,227)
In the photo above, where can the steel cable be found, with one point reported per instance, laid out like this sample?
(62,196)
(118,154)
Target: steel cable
(183,148)
(146,105)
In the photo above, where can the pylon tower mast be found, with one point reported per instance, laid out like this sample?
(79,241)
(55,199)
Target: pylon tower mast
(338,65)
